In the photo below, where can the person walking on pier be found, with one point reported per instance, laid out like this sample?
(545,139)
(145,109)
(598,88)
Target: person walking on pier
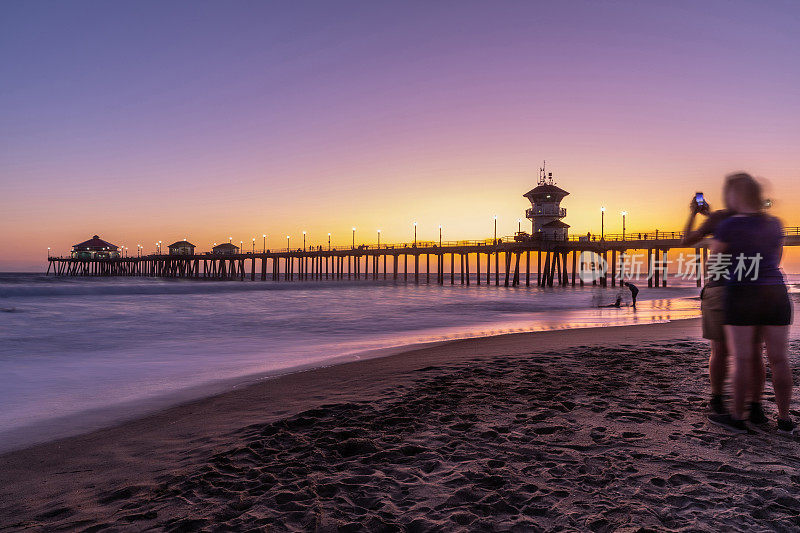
(750,244)
(712,312)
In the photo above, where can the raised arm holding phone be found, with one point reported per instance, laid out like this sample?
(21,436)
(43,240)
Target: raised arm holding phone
(757,308)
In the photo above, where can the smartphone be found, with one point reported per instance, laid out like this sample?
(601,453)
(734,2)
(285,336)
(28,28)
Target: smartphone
(699,200)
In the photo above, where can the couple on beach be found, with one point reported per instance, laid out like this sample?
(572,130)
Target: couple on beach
(745,304)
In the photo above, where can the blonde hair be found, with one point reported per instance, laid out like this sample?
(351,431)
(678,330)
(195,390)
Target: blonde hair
(747,188)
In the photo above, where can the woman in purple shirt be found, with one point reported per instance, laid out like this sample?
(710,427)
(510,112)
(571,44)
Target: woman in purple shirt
(748,248)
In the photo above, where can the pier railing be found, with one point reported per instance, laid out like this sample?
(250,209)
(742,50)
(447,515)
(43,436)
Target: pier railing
(655,235)
(646,239)
(629,236)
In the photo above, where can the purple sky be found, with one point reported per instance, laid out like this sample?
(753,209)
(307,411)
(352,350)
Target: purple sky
(145,121)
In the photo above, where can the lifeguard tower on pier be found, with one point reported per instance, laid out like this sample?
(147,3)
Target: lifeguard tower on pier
(546,212)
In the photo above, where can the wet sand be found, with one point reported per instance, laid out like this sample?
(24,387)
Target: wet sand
(596,429)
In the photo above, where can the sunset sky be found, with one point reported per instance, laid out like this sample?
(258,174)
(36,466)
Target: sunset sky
(146,121)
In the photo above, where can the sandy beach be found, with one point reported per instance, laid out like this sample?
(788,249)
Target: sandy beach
(337,267)
(593,429)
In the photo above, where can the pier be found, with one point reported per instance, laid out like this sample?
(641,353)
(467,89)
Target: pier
(506,261)
(549,256)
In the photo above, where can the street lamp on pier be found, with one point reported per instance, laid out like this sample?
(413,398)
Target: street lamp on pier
(329,241)
(495,229)
(379,239)
(254,245)
(415,234)
(602,222)
(264,236)
(304,241)
(287,243)
(623,224)
(354,237)
(440,235)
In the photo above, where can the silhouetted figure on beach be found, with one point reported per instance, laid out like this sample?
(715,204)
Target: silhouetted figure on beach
(616,304)
(634,292)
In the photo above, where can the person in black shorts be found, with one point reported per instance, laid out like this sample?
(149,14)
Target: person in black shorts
(756,302)
(713,318)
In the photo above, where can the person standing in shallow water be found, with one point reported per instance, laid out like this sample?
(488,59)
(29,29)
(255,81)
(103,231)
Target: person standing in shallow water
(634,292)
(713,317)
(756,302)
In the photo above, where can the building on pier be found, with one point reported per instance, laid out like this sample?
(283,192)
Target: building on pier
(546,212)
(226,248)
(95,248)
(183,247)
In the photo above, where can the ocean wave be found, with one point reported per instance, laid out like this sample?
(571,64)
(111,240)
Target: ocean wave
(142,286)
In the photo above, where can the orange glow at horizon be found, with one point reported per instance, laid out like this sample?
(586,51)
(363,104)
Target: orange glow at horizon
(464,205)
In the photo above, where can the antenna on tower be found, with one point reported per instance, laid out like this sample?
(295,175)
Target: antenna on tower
(542,173)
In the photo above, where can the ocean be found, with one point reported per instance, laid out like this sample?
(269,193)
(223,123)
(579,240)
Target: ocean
(80,353)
